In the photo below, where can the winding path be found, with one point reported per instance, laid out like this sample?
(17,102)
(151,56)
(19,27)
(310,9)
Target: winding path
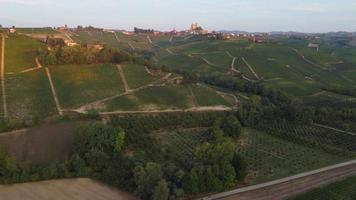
(307,60)
(3,75)
(288,187)
(38,66)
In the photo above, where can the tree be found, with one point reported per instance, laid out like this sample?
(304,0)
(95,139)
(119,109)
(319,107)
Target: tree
(240,167)
(161,191)
(7,163)
(146,178)
(120,140)
(232,126)
(77,165)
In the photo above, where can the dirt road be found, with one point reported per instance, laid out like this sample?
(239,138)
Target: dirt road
(123,78)
(69,189)
(193,109)
(54,93)
(288,187)
(2,63)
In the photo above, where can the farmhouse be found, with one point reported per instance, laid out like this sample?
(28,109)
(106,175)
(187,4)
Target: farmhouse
(70,43)
(313,46)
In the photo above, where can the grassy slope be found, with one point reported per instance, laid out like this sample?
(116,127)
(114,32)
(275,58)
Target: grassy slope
(136,75)
(271,158)
(80,84)
(29,94)
(20,53)
(342,190)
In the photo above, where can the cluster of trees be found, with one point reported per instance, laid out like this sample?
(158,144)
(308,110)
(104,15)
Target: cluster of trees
(81,55)
(89,28)
(217,166)
(12,171)
(140,30)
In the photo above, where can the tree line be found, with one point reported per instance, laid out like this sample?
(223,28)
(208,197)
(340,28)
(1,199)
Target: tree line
(81,54)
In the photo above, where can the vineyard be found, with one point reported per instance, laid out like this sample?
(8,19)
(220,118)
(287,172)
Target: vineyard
(77,85)
(342,190)
(313,136)
(136,75)
(181,144)
(270,157)
(29,96)
(331,100)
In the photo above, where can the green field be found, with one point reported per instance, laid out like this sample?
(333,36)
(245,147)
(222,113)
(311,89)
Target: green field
(341,190)
(36,30)
(285,64)
(270,157)
(29,96)
(167,97)
(77,85)
(153,98)
(208,97)
(20,53)
(136,75)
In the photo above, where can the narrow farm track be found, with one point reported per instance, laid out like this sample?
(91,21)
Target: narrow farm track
(38,66)
(117,38)
(148,71)
(193,109)
(83,108)
(132,47)
(250,67)
(3,75)
(288,187)
(194,98)
(306,60)
(233,66)
(149,39)
(229,54)
(334,129)
(169,51)
(54,93)
(123,78)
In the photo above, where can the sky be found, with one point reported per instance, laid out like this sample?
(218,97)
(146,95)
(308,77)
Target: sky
(246,15)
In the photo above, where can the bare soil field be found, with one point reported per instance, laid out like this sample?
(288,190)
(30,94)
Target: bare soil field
(68,189)
(42,144)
